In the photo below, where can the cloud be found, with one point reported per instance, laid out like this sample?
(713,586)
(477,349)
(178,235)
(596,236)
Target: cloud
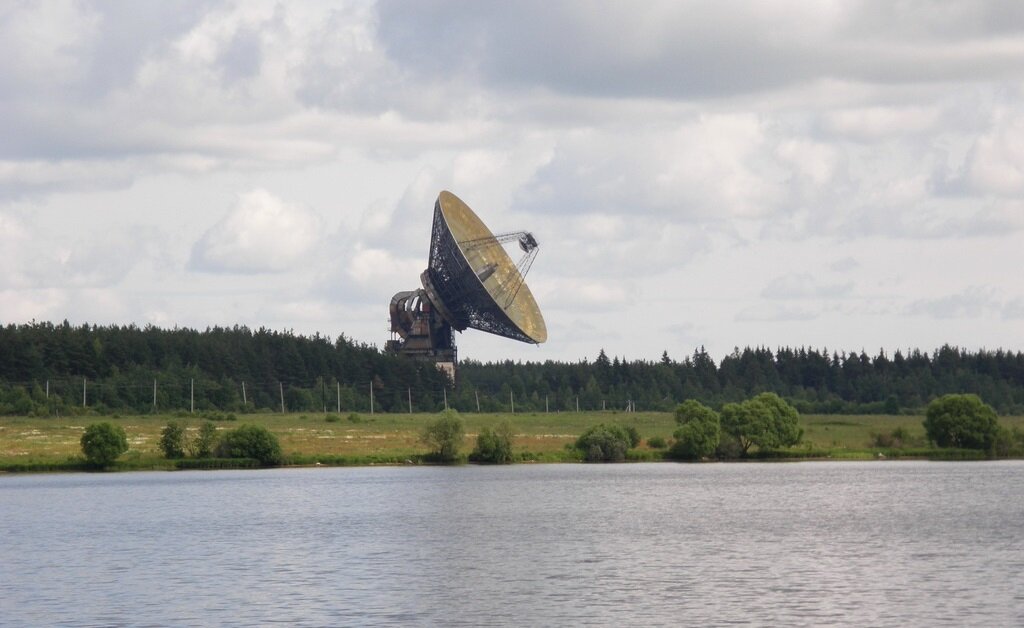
(260,234)
(358,275)
(804,286)
(684,153)
(711,168)
(774,313)
(25,305)
(684,335)
(843,265)
(1013,310)
(699,49)
(972,302)
(576,295)
(875,123)
(23,178)
(995,164)
(94,259)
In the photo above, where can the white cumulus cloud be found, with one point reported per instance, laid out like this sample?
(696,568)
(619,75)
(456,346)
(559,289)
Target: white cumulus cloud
(260,234)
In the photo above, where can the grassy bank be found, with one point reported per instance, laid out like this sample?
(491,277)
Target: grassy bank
(52,444)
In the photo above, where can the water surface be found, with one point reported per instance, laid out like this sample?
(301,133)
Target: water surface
(878,543)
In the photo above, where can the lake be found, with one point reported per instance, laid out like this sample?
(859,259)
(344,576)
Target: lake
(869,543)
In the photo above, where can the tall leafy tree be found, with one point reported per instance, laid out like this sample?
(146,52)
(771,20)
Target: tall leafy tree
(961,421)
(698,433)
(766,421)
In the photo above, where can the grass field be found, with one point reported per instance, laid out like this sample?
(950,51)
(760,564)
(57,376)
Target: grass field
(394,437)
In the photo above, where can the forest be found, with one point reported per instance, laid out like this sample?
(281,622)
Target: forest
(53,369)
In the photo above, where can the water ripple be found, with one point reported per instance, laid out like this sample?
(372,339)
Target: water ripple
(720,544)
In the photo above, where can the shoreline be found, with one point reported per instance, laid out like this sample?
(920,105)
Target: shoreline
(51,444)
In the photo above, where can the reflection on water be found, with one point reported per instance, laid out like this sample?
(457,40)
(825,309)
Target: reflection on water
(881,543)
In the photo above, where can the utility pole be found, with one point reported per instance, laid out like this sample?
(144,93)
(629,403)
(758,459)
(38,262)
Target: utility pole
(546,404)
(154,394)
(577,403)
(83,392)
(280,386)
(245,401)
(477,393)
(409,390)
(339,397)
(512,400)
(445,390)
(192,395)
(371,396)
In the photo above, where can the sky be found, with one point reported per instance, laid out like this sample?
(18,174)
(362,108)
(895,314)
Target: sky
(833,174)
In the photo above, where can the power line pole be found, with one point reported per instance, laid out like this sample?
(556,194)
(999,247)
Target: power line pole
(280,386)
(245,401)
(192,395)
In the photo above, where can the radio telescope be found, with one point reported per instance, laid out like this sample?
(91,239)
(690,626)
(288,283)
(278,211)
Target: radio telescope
(470,282)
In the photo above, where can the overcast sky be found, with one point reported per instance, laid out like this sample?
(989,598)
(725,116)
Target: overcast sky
(843,174)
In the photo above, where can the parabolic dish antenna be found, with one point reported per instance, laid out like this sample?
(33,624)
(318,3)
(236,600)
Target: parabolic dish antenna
(470,282)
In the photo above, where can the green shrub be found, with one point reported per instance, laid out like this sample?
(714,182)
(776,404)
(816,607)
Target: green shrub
(604,442)
(251,441)
(699,431)
(634,435)
(354,418)
(172,440)
(656,442)
(203,445)
(444,435)
(494,446)
(332,418)
(216,415)
(728,449)
(962,421)
(896,439)
(102,443)
(218,463)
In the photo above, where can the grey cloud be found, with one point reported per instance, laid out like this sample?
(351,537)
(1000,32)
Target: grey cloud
(1013,310)
(973,302)
(128,33)
(99,259)
(242,57)
(804,286)
(844,265)
(343,70)
(584,48)
(102,46)
(774,313)
(696,49)
(684,335)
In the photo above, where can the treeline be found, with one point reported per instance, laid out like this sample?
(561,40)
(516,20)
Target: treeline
(814,381)
(48,369)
